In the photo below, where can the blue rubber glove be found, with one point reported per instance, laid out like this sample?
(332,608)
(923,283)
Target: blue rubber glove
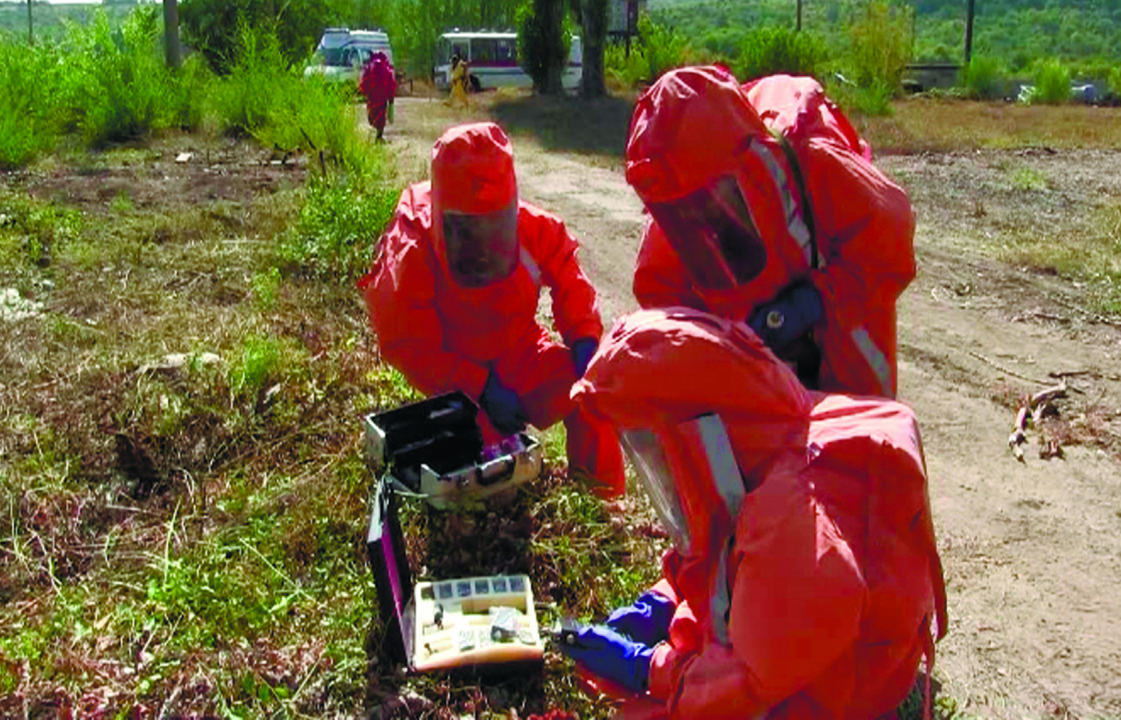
(611,656)
(646,621)
(582,351)
(503,407)
(794,312)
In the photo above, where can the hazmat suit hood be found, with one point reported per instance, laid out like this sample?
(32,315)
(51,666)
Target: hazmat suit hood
(475,204)
(696,128)
(661,372)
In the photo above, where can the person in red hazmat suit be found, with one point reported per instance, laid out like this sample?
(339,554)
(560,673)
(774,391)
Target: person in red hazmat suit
(453,293)
(804,580)
(379,85)
(765,208)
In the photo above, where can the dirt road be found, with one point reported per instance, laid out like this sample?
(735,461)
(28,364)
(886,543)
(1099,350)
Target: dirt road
(1032,551)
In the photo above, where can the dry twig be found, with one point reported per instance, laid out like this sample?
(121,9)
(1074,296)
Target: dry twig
(1037,406)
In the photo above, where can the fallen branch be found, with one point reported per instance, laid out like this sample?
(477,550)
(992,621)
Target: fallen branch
(1037,406)
(1004,370)
(1045,396)
(1018,437)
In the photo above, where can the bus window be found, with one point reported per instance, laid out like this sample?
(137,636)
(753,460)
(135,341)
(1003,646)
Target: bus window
(506,52)
(462,49)
(443,52)
(482,51)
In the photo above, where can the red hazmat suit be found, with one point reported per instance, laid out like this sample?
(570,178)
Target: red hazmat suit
(444,336)
(805,573)
(379,85)
(822,211)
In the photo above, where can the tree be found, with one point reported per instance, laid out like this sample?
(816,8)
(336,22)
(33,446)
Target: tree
(543,44)
(211,26)
(171,33)
(593,18)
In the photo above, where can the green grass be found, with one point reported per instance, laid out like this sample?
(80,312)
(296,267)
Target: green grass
(187,536)
(1093,258)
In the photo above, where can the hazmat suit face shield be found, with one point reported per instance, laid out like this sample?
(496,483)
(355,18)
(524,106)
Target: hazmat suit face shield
(481,249)
(691,476)
(712,231)
(649,460)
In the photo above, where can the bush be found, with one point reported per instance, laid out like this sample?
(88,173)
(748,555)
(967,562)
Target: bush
(983,79)
(257,78)
(27,76)
(777,49)
(659,49)
(880,46)
(115,86)
(1115,82)
(340,222)
(874,101)
(1052,83)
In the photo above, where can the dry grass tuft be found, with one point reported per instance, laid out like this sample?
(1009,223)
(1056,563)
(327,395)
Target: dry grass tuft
(922,124)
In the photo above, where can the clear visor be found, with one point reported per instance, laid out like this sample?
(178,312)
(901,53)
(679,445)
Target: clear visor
(653,472)
(712,232)
(481,249)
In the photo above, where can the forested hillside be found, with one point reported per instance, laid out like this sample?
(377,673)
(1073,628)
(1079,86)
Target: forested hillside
(1083,33)
(50,20)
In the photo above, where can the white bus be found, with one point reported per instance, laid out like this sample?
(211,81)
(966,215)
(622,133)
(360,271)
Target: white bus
(492,60)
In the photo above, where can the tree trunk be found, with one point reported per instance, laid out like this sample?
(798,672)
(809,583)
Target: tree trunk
(969,32)
(550,14)
(171,33)
(594,16)
(30,30)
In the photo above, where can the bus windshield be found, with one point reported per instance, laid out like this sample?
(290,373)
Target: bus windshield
(334,57)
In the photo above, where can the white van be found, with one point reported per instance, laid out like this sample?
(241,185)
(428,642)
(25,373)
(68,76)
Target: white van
(492,60)
(341,53)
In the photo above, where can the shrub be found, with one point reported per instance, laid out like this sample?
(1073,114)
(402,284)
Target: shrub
(1115,82)
(874,101)
(778,49)
(983,79)
(1052,83)
(27,76)
(880,46)
(115,86)
(659,49)
(258,78)
(339,224)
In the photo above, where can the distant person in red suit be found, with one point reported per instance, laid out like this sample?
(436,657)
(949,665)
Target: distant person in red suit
(379,85)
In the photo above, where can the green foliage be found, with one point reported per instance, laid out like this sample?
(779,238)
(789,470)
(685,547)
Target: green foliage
(27,75)
(983,79)
(214,27)
(258,362)
(115,86)
(658,49)
(779,49)
(1115,81)
(32,232)
(265,287)
(544,39)
(338,225)
(880,46)
(257,77)
(874,100)
(1052,83)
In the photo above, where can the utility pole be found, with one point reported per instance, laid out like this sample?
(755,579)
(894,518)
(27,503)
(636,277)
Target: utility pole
(171,33)
(969,32)
(30,32)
